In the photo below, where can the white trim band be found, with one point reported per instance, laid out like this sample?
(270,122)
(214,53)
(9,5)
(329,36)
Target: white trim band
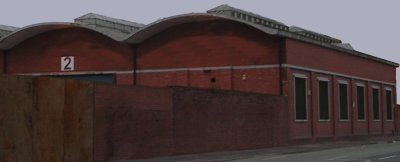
(246,67)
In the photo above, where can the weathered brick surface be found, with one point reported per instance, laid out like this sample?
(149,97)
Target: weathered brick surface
(312,56)
(397,121)
(92,51)
(388,127)
(247,80)
(124,79)
(211,44)
(342,128)
(301,129)
(179,78)
(359,127)
(313,128)
(215,121)
(322,128)
(132,122)
(137,122)
(257,80)
(208,43)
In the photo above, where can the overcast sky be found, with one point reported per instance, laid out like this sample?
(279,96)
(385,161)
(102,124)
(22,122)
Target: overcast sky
(371,26)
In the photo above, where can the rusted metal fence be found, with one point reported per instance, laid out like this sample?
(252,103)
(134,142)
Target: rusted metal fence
(45,120)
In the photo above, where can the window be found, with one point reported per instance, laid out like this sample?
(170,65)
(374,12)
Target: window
(343,102)
(375,103)
(389,113)
(300,98)
(360,103)
(323,100)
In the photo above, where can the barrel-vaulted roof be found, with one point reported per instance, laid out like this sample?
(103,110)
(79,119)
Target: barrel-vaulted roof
(134,33)
(313,37)
(22,34)
(165,23)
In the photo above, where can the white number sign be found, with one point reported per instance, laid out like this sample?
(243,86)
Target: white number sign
(67,63)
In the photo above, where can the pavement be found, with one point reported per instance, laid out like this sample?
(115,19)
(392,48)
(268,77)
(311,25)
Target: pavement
(337,150)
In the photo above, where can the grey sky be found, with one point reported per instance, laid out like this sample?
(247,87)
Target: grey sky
(371,26)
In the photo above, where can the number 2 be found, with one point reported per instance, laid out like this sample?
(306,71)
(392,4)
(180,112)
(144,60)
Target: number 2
(67,63)
(67,66)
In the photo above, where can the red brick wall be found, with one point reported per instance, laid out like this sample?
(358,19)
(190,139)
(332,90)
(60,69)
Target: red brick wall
(303,129)
(124,79)
(375,127)
(388,126)
(208,43)
(211,44)
(132,122)
(343,128)
(322,128)
(138,122)
(216,121)
(163,79)
(248,80)
(92,51)
(313,128)
(360,127)
(312,56)
(257,80)
(397,117)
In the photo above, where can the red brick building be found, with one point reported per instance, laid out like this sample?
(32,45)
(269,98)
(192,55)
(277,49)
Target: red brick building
(333,89)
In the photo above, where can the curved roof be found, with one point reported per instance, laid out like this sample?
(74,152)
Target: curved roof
(163,24)
(22,34)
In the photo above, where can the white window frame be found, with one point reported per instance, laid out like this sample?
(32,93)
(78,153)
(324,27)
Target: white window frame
(391,105)
(324,79)
(365,101)
(348,99)
(379,102)
(302,76)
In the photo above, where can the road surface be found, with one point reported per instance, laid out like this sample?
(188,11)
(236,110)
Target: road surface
(383,152)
